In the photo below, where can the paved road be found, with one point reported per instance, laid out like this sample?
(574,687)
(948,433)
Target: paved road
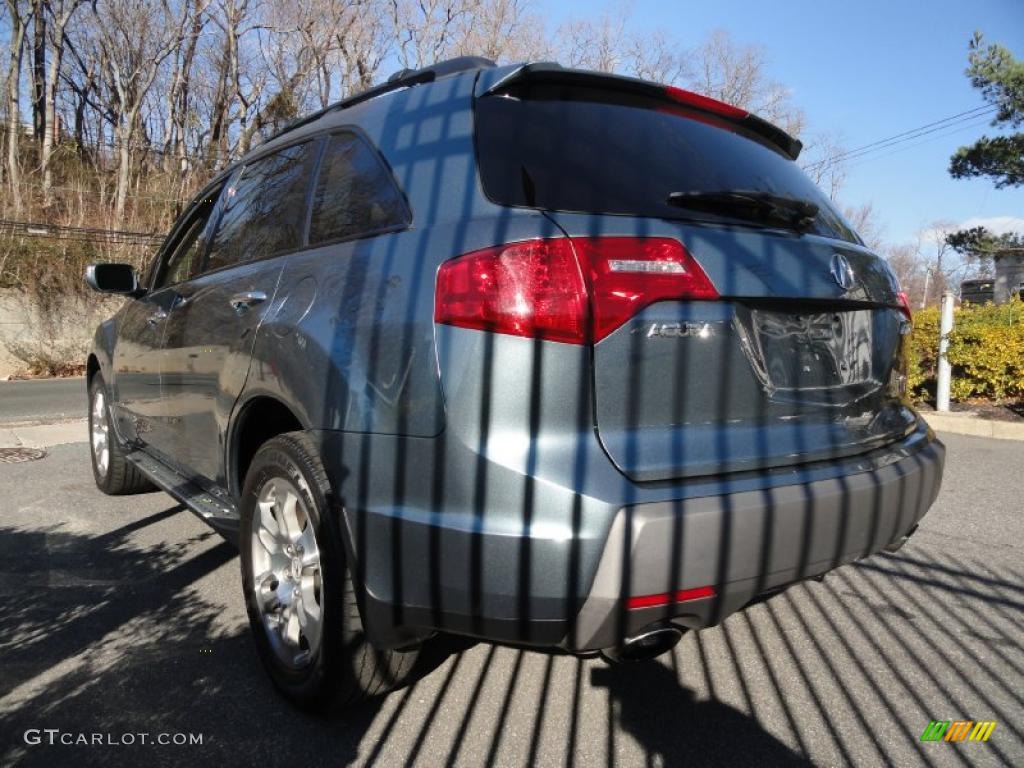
(124,616)
(42,400)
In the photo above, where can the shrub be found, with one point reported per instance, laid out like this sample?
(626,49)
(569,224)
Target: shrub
(923,352)
(986,352)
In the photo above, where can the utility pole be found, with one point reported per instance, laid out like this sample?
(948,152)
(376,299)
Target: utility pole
(945,372)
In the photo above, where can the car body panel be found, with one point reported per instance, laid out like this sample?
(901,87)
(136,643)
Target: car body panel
(204,363)
(135,364)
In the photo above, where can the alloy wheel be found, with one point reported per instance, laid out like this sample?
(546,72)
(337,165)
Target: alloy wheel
(286,585)
(100,433)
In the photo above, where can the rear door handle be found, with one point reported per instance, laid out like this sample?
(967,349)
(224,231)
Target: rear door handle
(242,302)
(156,318)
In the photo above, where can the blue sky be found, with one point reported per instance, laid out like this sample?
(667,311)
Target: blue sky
(865,70)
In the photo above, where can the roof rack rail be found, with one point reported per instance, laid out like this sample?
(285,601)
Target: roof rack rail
(403,78)
(446,67)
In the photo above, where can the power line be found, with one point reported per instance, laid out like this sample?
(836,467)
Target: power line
(976,112)
(867,157)
(81,234)
(970,121)
(908,135)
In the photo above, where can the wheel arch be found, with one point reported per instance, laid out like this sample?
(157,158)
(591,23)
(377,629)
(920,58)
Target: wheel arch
(260,418)
(92,367)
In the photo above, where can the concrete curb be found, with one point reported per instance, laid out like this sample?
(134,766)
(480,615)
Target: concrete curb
(44,435)
(970,424)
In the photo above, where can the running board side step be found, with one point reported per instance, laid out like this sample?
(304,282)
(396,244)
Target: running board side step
(220,514)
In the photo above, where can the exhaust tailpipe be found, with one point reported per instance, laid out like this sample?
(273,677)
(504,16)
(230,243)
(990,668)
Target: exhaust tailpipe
(644,646)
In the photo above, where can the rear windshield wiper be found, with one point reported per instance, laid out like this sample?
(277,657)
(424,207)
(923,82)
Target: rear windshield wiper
(760,206)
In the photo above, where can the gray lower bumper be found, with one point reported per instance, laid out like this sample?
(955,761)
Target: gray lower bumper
(747,543)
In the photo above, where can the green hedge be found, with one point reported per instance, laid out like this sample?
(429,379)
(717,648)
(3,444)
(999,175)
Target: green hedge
(986,350)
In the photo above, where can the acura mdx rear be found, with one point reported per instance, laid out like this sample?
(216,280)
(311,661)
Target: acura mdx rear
(543,356)
(690,387)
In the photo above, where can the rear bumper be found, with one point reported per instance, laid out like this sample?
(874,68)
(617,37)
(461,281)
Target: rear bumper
(748,543)
(551,563)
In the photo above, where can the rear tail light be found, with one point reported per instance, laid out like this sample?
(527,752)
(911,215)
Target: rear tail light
(905,305)
(627,274)
(571,290)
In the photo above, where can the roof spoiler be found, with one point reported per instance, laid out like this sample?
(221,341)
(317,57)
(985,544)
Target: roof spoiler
(403,78)
(552,72)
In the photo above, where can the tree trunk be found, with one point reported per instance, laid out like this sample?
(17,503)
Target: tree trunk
(50,137)
(180,109)
(19,24)
(39,71)
(125,132)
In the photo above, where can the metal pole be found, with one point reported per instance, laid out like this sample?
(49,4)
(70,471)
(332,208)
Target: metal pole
(945,327)
(927,279)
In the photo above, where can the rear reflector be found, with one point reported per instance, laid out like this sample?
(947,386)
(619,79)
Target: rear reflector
(575,290)
(683,595)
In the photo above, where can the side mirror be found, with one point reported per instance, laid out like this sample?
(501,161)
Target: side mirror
(112,278)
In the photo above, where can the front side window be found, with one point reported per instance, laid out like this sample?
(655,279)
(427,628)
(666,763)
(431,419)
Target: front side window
(355,193)
(265,210)
(186,254)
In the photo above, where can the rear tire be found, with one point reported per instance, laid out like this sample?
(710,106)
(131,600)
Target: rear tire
(114,474)
(299,593)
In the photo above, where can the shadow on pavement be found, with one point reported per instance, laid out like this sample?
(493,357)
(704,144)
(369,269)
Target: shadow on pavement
(673,727)
(103,633)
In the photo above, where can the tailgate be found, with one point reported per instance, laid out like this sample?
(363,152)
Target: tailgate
(786,367)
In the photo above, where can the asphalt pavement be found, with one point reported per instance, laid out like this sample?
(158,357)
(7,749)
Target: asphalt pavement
(42,400)
(124,616)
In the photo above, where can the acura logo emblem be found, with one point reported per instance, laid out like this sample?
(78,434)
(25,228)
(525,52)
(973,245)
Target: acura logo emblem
(842,272)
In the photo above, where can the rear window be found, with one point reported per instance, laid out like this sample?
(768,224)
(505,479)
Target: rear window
(592,150)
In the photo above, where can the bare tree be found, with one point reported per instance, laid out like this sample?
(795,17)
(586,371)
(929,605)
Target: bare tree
(911,271)
(737,74)
(160,93)
(821,159)
(655,57)
(865,223)
(426,30)
(362,43)
(944,268)
(599,44)
(718,67)
(502,30)
(178,91)
(20,15)
(134,37)
(60,12)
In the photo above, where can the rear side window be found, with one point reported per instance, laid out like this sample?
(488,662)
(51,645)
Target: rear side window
(355,194)
(591,150)
(265,210)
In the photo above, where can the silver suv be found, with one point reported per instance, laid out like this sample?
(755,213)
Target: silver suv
(524,353)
